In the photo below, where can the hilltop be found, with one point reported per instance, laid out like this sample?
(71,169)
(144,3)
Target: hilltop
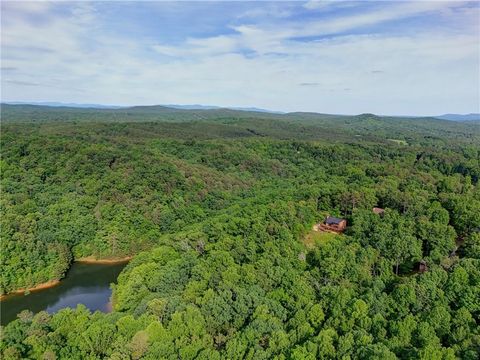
(241,123)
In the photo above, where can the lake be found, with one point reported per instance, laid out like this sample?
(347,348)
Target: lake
(87,284)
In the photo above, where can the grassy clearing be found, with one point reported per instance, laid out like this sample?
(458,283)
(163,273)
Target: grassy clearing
(314,238)
(399,142)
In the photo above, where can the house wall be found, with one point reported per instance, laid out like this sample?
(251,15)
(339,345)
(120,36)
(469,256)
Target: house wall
(342,225)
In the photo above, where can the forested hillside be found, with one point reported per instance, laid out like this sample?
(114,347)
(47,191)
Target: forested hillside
(235,123)
(216,209)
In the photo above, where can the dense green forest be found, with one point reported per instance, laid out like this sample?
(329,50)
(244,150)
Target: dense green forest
(216,205)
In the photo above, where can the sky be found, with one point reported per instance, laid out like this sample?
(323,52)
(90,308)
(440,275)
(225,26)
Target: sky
(382,57)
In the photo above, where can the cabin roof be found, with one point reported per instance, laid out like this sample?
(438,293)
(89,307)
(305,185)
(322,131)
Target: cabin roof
(378,210)
(332,220)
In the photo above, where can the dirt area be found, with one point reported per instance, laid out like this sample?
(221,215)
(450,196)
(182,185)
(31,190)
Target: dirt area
(93,260)
(42,286)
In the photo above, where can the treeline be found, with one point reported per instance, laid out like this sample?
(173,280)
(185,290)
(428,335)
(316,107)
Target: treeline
(226,275)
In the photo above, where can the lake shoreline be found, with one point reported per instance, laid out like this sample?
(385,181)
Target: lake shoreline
(52,283)
(41,286)
(93,260)
(87,284)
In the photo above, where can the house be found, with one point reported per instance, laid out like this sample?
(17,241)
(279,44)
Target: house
(378,211)
(421,266)
(335,224)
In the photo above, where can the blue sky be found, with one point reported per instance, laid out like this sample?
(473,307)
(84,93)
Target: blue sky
(384,57)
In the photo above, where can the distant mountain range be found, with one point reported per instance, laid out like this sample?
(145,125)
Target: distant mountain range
(211,107)
(459,117)
(71,105)
(451,117)
(172,106)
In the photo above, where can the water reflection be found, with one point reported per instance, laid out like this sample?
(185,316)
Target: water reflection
(87,284)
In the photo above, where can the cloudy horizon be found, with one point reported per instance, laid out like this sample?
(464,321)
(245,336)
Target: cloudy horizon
(391,58)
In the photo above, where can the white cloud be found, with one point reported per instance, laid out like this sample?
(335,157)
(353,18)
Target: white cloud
(325,4)
(26,7)
(69,58)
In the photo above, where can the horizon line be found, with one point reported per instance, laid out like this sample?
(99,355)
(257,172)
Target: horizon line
(197,106)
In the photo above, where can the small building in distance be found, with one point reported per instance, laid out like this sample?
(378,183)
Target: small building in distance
(335,224)
(378,211)
(421,266)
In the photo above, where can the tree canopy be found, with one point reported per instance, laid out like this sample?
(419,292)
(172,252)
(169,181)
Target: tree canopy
(217,221)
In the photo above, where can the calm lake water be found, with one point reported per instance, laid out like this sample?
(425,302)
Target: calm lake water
(87,284)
